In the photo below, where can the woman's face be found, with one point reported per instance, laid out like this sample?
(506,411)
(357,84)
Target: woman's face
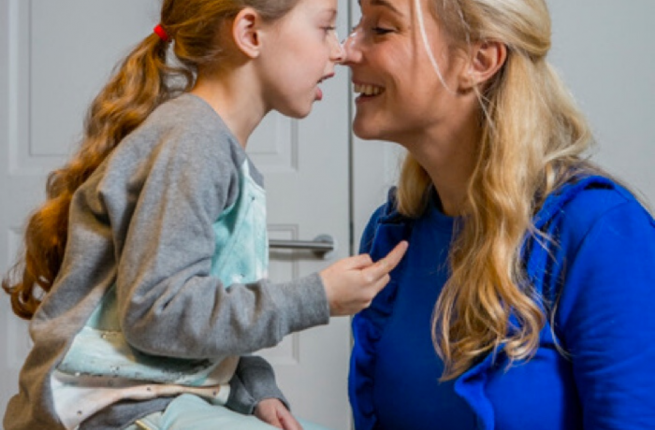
(401,95)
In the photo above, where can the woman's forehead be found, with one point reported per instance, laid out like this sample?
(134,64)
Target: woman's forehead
(394,6)
(400,8)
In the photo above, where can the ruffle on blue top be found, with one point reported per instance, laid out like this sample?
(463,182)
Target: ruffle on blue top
(369,324)
(380,237)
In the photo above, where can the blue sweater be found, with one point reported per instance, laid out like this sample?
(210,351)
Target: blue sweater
(598,271)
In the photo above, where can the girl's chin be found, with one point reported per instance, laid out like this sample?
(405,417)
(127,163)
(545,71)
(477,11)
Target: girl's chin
(297,112)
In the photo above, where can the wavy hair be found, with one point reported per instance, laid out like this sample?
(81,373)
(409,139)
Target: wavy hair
(533,139)
(143,81)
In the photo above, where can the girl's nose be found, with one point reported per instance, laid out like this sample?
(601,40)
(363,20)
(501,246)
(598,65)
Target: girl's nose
(338,54)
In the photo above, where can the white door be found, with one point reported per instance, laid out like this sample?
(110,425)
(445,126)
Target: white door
(54,57)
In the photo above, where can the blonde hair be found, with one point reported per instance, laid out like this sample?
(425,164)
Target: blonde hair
(143,81)
(533,140)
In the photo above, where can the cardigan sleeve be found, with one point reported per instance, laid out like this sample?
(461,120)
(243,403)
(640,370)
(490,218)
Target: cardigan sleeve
(606,319)
(253,382)
(169,303)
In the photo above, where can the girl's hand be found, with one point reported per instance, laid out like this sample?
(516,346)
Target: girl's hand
(273,412)
(352,283)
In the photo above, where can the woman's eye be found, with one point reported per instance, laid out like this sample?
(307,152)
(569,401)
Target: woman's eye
(381,30)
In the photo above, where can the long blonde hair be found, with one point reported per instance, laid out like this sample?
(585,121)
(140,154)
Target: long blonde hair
(533,139)
(143,81)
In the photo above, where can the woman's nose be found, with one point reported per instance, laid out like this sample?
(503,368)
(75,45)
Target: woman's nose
(350,46)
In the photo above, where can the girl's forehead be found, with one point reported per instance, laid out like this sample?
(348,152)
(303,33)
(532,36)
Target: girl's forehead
(315,7)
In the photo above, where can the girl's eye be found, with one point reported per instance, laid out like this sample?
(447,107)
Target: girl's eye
(329,28)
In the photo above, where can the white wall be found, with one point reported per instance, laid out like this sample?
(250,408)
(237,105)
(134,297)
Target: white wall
(603,50)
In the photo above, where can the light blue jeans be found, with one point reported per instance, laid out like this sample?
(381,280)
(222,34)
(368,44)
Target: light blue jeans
(189,412)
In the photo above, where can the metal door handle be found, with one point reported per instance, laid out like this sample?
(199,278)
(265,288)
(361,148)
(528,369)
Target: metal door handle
(321,246)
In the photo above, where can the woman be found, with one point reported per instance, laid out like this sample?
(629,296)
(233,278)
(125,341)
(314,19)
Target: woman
(529,270)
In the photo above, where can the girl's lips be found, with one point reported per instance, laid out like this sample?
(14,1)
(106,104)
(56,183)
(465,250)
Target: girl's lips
(319,92)
(328,76)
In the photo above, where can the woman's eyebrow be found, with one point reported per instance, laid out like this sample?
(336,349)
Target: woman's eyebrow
(387,4)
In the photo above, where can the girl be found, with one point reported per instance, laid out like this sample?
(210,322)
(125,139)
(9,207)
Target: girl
(151,248)
(530,271)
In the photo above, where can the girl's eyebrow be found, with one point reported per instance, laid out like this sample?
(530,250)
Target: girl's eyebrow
(331,12)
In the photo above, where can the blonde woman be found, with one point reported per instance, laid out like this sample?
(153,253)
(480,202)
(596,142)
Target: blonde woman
(530,272)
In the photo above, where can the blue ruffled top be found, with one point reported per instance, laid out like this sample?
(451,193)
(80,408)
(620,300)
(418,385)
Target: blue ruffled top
(596,281)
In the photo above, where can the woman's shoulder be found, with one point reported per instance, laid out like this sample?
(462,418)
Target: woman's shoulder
(581,203)
(606,199)
(592,214)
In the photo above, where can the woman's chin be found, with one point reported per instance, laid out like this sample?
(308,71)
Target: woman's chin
(365,130)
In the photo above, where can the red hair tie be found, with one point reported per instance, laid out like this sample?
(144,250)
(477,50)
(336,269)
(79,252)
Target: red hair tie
(159,31)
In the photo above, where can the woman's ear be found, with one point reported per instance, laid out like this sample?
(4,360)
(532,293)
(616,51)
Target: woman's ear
(246,32)
(486,60)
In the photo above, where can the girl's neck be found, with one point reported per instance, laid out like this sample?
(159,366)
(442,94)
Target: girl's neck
(236,99)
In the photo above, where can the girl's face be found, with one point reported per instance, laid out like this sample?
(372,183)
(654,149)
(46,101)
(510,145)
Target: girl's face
(302,49)
(400,92)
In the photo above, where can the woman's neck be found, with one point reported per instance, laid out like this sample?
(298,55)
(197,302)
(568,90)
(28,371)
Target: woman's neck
(449,159)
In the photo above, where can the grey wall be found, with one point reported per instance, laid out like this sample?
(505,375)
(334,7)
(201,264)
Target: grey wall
(604,52)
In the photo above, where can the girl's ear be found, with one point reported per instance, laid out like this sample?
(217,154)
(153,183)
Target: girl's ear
(246,32)
(486,60)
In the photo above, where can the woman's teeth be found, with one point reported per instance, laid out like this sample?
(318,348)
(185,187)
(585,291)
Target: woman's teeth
(368,90)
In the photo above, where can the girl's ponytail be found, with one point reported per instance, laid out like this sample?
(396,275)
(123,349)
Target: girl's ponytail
(136,89)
